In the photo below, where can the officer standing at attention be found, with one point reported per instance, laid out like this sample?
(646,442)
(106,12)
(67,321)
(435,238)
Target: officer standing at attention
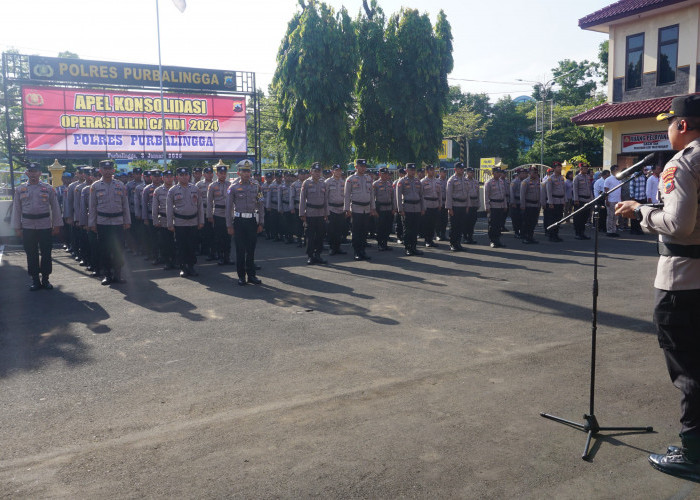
(133,232)
(530,205)
(677,284)
(432,201)
(36,216)
(245,217)
(272,206)
(207,238)
(556,199)
(197,173)
(185,216)
(150,232)
(79,232)
(496,204)
(385,204)
(159,207)
(359,205)
(515,202)
(68,209)
(472,206)
(582,194)
(295,193)
(90,241)
(409,203)
(109,217)
(441,229)
(337,224)
(216,214)
(313,210)
(456,200)
(286,209)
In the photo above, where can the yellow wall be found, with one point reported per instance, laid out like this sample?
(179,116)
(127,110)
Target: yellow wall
(688,19)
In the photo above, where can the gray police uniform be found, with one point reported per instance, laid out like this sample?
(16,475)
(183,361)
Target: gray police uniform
(556,197)
(295,193)
(359,202)
(313,204)
(207,235)
(185,212)
(582,194)
(432,201)
(385,203)
(216,209)
(530,204)
(337,223)
(515,215)
(244,212)
(165,237)
(496,203)
(457,200)
(108,213)
(35,211)
(409,200)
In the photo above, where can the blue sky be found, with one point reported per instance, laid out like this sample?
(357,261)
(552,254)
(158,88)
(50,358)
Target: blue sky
(496,41)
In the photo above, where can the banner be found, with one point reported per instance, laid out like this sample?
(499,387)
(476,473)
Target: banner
(646,141)
(59,69)
(111,124)
(445,151)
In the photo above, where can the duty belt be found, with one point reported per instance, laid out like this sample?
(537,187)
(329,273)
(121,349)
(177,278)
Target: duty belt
(36,216)
(335,204)
(473,198)
(162,214)
(676,250)
(460,200)
(429,199)
(412,202)
(532,201)
(309,205)
(557,196)
(496,201)
(109,215)
(180,216)
(360,203)
(583,197)
(381,203)
(244,215)
(219,206)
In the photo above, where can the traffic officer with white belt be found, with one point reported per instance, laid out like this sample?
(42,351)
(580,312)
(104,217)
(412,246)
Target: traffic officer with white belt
(36,216)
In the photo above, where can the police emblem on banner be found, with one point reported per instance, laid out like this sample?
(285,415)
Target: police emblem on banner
(43,71)
(229,80)
(35,99)
(237,107)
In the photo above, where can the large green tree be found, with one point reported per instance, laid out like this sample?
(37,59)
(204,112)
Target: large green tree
(314,82)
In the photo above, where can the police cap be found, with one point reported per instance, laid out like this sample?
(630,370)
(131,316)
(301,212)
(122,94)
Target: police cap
(402,170)
(326,171)
(137,170)
(106,164)
(33,166)
(443,169)
(410,166)
(279,173)
(245,165)
(685,106)
(470,169)
(336,167)
(167,172)
(156,173)
(459,164)
(209,170)
(384,170)
(430,167)
(360,161)
(197,169)
(316,166)
(182,171)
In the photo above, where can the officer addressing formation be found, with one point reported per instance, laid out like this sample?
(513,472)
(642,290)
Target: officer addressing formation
(170,219)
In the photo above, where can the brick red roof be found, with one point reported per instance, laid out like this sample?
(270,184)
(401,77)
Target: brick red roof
(622,9)
(616,112)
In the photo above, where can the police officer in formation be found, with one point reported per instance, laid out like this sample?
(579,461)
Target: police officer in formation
(313,210)
(207,237)
(109,217)
(432,202)
(184,216)
(515,202)
(150,233)
(359,207)
(36,216)
(582,194)
(496,204)
(530,204)
(215,206)
(456,202)
(337,222)
(556,199)
(245,217)
(409,203)
(385,205)
(159,207)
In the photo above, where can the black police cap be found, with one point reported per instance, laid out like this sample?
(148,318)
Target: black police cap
(686,106)
(182,171)
(156,173)
(326,171)
(402,170)
(336,167)
(197,169)
(33,166)
(459,164)
(410,166)
(137,170)
(106,164)
(220,168)
(383,170)
(167,172)
(360,161)
(316,166)
(469,169)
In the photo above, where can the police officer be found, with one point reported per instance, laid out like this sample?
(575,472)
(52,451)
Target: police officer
(185,216)
(472,206)
(78,232)
(385,204)
(134,232)
(432,201)
(108,216)
(69,208)
(582,194)
(295,193)
(456,200)
(272,204)
(286,209)
(530,204)
(556,199)
(398,220)
(197,174)
(313,210)
(337,224)
(206,236)
(216,213)
(677,284)
(150,232)
(441,228)
(410,204)
(36,216)
(90,238)
(359,206)
(159,208)
(245,217)
(496,204)
(515,202)
(269,179)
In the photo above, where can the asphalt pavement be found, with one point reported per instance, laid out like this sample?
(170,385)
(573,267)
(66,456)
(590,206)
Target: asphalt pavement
(403,377)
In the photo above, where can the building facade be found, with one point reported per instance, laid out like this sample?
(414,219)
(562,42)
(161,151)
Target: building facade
(654,55)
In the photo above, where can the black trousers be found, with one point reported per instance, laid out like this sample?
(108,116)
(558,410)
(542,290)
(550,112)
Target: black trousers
(399,227)
(37,241)
(275,222)
(360,223)
(111,242)
(166,243)
(496,219)
(93,251)
(337,225)
(222,240)
(149,246)
(288,224)
(529,222)
(384,222)
(581,218)
(555,214)
(430,222)
(315,232)
(245,237)
(186,245)
(74,237)
(139,234)
(458,223)
(441,228)
(131,233)
(677,321)
(298,224)
(208,243)
(411,222)
(516,218)
(470,222)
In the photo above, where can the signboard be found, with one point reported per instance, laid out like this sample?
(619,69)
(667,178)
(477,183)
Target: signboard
(489,162)
(645,141)
(113,124)
(445,151)
(58,69)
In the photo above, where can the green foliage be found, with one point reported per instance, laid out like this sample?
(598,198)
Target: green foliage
(313,84)
(576,83)
(602,68)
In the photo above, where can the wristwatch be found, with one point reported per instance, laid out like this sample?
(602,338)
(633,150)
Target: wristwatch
(638,213)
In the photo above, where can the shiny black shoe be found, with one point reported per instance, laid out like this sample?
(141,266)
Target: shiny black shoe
(254,280)
(454,248)
(495,245)
(333,252)
(409,252)
(36,285)
(417,252)
(357,257)
(431,244)
(241,282)
(191,271)
(183,273)
(676,464)
(45,284)
(82,263)
(95,274)
(107,280)
(318,260)
(310,261)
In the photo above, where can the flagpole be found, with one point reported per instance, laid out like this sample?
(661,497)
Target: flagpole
(160,78)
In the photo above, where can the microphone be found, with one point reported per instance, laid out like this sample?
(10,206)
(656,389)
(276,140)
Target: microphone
(636,167)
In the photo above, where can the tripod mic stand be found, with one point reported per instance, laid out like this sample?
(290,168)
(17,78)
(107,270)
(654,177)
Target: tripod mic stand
(590,424)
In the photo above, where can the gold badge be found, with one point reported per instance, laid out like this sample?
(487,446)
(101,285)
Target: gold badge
(35,99)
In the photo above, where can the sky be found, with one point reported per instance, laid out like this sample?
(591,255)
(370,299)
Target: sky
(496,43)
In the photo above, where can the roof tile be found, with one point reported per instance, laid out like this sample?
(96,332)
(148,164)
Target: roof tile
(622,9)
(613,112)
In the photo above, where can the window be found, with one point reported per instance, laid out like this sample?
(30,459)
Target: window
(668,55)
(634,56)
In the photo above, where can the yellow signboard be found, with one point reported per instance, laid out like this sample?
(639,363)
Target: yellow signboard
(489,162)
(445,151)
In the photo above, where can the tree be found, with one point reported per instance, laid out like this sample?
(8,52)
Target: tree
(313,84)
(271,144)
(576,82)
(602,67)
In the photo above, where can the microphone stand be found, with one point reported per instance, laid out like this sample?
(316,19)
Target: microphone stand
(590,424)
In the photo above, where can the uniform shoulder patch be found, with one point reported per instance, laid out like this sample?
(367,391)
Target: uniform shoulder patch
(668,177)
